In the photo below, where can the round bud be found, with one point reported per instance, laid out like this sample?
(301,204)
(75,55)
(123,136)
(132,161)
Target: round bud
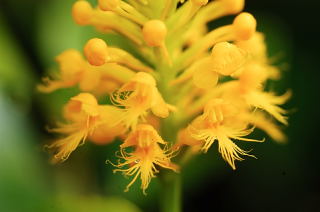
(226,58)
(233,6)
(200,2)
(82,12)
(244,26)
(108,4)
(154,32)
(96,51)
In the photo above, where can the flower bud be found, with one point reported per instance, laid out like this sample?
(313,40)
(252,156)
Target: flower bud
(244,26)
(82,12)
(154,32)
(96,51)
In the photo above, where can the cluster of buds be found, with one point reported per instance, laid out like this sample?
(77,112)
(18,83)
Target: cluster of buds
(190,88)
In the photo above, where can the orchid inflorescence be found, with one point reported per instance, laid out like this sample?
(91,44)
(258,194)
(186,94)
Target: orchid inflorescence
(190,88)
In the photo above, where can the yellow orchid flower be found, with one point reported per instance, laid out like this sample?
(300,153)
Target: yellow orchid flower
(146,156)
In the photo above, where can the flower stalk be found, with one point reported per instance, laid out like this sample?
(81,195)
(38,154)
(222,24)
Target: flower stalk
(171,192)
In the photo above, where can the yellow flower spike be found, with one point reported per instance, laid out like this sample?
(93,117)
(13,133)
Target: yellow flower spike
(96,51)
(226,58)
(138,96)
(217,79)
(82,12)
(220,122)
(82,111)
(146,157)
(244,26)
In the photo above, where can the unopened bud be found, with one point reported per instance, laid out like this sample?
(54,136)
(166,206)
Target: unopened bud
(244,26)
(82,12)
(96,52)
(154,32)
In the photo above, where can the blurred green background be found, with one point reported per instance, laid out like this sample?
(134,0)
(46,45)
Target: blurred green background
(284,178)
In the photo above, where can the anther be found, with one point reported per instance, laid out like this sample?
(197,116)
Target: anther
(244,26)
(96,51)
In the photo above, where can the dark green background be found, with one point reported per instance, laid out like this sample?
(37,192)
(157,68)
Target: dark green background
(284,178)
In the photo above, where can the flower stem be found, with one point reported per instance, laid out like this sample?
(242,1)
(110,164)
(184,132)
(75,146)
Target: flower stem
(170,198)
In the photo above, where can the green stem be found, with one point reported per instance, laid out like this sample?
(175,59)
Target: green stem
(170,198)
(171,182)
